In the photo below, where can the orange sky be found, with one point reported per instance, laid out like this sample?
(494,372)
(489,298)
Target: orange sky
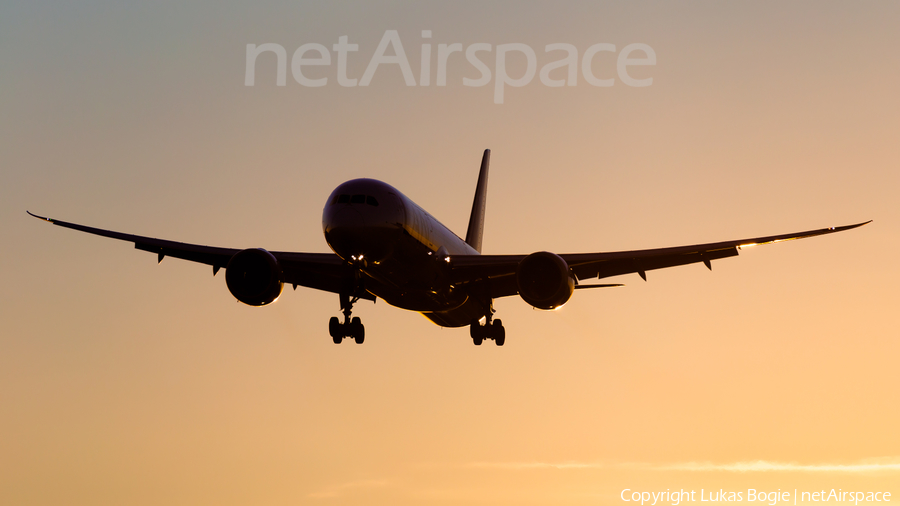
(127,382)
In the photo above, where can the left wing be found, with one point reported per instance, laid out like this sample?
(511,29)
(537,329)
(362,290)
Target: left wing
(498,272)
(322,271)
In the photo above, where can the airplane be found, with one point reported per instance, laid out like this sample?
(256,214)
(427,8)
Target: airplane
(385,246)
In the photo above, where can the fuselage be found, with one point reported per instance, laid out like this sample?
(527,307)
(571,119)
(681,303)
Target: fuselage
(401,251)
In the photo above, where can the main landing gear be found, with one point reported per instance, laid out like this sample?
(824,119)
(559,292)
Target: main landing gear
(490,330)
(350,327)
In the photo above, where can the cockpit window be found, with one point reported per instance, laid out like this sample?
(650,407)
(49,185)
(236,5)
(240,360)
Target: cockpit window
(355,199)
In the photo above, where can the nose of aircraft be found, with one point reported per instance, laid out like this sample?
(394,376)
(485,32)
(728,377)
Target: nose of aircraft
(345,217)
(356,231)
(344,227)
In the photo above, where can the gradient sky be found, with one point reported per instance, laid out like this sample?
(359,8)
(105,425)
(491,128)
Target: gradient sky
(123,382)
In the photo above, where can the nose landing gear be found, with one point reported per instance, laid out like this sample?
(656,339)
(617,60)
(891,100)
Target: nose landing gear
(490,330)
(349,327)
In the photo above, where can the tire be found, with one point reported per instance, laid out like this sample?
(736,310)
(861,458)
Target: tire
(357,330)
(474,328)
(335,329)
(499,332)
(334,326)
(479,332)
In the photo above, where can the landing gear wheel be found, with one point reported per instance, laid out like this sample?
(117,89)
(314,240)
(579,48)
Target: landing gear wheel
(476,332)
(490,330)
(499,333)
(335,329)
(350,327)
(357,330)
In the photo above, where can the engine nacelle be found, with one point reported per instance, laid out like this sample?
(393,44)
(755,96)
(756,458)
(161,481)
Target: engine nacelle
(254,277)
(544,280)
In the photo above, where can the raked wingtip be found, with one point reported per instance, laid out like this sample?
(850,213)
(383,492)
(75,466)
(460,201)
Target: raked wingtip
(38,217)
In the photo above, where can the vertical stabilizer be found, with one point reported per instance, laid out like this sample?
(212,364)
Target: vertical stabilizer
(476,220)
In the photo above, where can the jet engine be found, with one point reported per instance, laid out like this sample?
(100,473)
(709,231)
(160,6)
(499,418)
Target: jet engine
(544,280)
(254,277)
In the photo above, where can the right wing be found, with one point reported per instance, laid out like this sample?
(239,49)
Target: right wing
(498,272)
(322,271)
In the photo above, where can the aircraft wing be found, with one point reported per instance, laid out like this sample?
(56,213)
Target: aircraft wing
(498,272)
(323,271)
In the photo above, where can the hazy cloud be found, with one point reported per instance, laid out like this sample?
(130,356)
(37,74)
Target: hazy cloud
(863,466)
(341,489)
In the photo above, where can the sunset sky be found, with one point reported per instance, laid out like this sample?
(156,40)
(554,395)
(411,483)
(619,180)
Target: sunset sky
(124,382)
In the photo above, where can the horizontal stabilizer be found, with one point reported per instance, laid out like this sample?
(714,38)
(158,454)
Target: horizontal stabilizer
(607,285)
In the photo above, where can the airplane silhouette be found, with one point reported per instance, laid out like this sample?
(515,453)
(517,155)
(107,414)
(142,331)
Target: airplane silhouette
(385,246)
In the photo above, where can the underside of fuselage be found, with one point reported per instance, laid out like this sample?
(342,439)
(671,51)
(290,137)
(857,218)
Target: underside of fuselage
(400,252)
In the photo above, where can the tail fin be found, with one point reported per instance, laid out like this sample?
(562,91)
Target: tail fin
(476,220)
